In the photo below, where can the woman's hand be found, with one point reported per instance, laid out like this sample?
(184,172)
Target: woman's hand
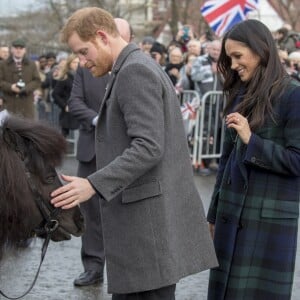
(240,124)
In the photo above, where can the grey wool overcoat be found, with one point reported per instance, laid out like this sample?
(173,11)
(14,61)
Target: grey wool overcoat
(255,208)
(154,226)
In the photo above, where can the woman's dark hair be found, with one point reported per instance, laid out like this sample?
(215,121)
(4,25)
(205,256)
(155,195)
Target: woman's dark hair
(267,81)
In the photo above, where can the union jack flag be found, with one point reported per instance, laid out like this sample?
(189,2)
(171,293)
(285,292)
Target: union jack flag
(189,109)
(221,15)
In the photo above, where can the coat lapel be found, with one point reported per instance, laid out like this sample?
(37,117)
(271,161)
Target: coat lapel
(118,64)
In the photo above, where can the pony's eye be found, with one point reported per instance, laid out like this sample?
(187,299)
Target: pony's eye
(50,179)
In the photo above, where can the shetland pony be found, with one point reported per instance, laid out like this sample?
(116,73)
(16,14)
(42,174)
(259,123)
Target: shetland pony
(29,153)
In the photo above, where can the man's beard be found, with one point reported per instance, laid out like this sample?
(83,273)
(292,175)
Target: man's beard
(103,64)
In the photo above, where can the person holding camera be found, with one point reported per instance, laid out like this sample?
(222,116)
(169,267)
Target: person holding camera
(184,35)
(19,77)
(174,65)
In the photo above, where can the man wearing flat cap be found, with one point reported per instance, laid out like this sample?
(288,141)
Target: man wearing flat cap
(19,43)
(19,77)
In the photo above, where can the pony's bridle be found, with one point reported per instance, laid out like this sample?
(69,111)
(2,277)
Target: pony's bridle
(50,213)
(50,223)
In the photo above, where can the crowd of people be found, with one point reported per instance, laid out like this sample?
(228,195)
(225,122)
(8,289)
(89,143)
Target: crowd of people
(134,160)
(189,60)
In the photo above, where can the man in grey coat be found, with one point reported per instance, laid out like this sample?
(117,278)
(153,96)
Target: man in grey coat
(84,103)
(153,220)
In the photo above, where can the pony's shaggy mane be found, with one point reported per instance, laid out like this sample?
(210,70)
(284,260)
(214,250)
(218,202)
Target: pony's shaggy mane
(23,141)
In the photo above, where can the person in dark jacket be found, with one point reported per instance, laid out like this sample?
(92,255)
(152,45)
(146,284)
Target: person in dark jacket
(174,65)
(19,77)
(61,94)
(84,104)
(52,70)
(254,210)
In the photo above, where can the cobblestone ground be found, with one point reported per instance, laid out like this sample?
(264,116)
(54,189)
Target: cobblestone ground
(62,264)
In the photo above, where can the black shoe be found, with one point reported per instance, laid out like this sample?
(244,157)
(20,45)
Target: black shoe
(88,278)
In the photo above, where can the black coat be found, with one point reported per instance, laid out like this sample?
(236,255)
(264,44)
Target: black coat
(169,67)
(61,94)
(84,104)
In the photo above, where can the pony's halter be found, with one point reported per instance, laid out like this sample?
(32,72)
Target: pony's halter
(51,222)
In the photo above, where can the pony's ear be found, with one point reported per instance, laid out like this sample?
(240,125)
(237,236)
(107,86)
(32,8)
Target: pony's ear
(14,141)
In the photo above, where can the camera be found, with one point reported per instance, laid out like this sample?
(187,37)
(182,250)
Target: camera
(186,36)
(21,84)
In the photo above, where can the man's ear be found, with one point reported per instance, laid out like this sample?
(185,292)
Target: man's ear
(101,35)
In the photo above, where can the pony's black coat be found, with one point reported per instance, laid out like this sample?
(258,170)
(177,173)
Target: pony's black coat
(29,153)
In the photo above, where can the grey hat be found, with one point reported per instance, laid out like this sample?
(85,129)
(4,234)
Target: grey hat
(19,43)
(148,40)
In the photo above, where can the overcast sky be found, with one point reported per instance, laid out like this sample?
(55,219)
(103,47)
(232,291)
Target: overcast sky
(11,7)
(266,14)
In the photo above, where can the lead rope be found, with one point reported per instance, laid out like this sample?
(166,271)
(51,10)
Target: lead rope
(50,227)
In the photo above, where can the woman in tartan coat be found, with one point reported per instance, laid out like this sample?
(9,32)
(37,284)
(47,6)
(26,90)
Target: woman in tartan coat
(253,214)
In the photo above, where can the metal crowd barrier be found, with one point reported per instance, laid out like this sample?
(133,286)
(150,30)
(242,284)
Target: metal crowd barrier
(206,130)
(72,140)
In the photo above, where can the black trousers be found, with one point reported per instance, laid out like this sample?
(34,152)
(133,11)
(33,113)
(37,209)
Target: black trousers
(92,247)
(164,293)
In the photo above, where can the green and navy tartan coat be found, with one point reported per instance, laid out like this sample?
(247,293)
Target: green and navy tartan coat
(255,208)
